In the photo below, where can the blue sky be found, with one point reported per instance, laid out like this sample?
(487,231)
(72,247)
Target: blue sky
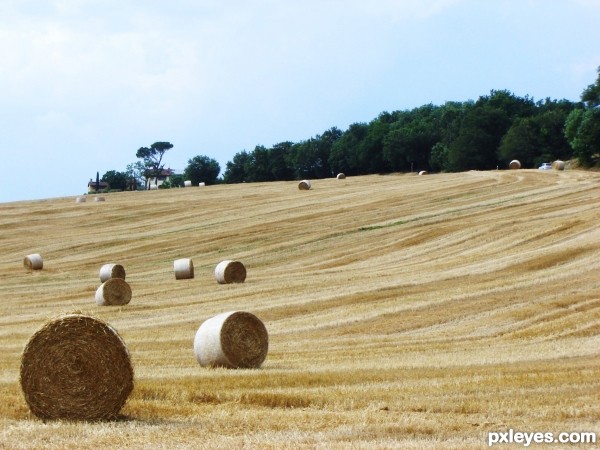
(85,83)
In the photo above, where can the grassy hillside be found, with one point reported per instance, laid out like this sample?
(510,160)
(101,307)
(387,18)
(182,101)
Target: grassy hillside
(403,311)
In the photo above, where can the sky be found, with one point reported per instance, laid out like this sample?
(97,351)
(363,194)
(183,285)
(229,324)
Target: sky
(85,83)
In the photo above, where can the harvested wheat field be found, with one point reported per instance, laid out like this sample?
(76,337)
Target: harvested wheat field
(402,311)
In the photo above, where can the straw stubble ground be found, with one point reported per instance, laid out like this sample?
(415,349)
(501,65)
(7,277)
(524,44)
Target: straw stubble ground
(403,311)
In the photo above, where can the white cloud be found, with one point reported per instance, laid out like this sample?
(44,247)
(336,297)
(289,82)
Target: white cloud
(74,55)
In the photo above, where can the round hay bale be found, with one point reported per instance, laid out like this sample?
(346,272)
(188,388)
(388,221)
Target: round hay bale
(304,185)
(201,184)
(76,368)
(99,199)
(80,200)
(558,165)
(233,339)
(230,272)
(514,164)
(184,268)
(341,176)
(187,183)
(113,292)
(33,261)
(108,271)
(423,172)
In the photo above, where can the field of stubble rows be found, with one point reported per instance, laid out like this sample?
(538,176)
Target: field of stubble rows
(403,311)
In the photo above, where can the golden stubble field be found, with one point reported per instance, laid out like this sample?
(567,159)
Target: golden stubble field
(403,311)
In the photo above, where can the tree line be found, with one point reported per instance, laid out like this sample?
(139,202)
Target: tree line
(473,135)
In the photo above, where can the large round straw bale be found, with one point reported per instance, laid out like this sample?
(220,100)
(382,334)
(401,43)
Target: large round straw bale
(515,164)
(201,184)
(304,185)
(423,172)
(187,183)
(80,200)
(233,339)
(184,268)
(558,165)
(34,261)
(99,199)
(341,176)
(230,272)
(76,368)
(108,271)
(114,291)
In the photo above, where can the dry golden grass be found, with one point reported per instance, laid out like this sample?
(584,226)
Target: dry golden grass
(402,311)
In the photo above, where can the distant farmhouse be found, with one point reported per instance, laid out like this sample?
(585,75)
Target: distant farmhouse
(165,175)
(102,185)
(151,182)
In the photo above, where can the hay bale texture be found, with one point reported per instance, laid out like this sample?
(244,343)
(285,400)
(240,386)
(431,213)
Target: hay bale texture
(113,292)
(187,183)
(304,185)
(558,165)
(514,164)
(184,268)
(76,368)
(234,339)
(341,176)
(423,172)
(229,271)
(80,200)
(108,271)
(33,261)
(99,199)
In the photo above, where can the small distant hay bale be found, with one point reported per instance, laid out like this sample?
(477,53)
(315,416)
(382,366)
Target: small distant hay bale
(229,271)
(76,368)
(99,199)
(341,176)
(33,261)
(153,187)
(558,165)
(187,183)
(304,185)
(108,271)
(80,200)
(515,164)
(113,292)
(423,172)
(184,268)
(234,339)
(201,184)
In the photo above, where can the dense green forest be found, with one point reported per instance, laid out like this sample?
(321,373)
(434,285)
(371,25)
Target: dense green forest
(484,134)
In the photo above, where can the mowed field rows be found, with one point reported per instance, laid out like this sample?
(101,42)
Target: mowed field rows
(403,311)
